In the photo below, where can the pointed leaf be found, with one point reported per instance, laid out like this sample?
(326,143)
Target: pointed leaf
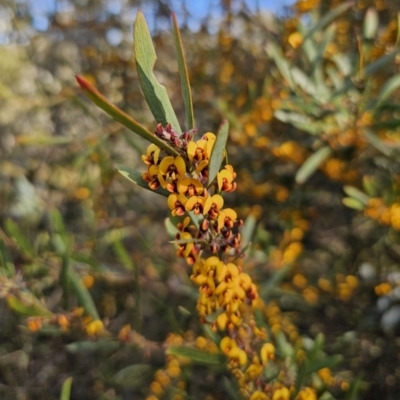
(93,347)
(377,143)
(283,66)
(353,203)
(195,355)
(312,163)
(218,150)
(371,23)
(327,19)
(20,239)
(27,305)
(185,84)
(326,362)
(381,62)
(136,177)
(82,293)
(154,93)
(133,376)
(388,88)
(356,194)
(66,389)
(113,111)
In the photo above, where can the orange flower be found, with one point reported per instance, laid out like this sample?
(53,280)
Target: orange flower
(190,187)
(226,218)
(195,204)
(225,179)
(212,205)
(152,155)
(176,203)
(173,167)
(151,176)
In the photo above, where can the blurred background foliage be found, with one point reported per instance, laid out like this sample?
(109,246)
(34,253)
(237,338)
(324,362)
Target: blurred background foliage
(313,102)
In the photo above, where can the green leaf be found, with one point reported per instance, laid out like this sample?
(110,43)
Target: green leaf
(66,389)
(218,150)
(154,93)
(136,177)
(371,23)
(380,63)
(185,84)
(82,293)
(353,203)
(232,389)
(312,163)
(123,255)
(42,140)
(28,305)
(20,239)
(388,88)
(355,388)
(326,362)
(195,355)
(327,19)
(356,194)
(299,121)
(283,66)
(6,261)
(377,143)
(93,347)
(113,111)
(248,229)
(133,376)
(171,229)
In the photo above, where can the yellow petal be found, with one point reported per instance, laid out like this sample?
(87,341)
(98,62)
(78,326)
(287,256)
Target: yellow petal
(191,203)
(180,165)
(191,150)
(207,205)
(218,201)
(165,164)
(229,213)
(183,185)
(172,198)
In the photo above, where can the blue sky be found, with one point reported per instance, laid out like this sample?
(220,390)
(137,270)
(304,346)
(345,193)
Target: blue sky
(199,8)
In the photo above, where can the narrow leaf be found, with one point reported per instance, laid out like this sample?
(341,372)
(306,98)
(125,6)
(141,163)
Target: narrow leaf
(136,178)
(353,203)
(377,143)
(327,19)
(113,111)
(218,150)
(326,362)
(312,164)
(371,22)
(27,305)
(381,62)
(283,66)
(197,356)
(83,295)
(93,347)
(356,194)
(248,228)
(185,84)
(66,389)
(154,93)
(133,376)
(20,239)
(389,87)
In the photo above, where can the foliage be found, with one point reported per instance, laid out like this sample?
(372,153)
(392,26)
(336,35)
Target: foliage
(95,304)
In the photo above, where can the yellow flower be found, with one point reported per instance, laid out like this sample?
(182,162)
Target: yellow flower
(225,179)
(213,205)
(281,394)
(176,203)
(151,176)
(170,169)
(227,344)
(237,357)
(267,352)
(152,155)
(195,204)
(190,187)
(226,218)
(95,327)
(307,394)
